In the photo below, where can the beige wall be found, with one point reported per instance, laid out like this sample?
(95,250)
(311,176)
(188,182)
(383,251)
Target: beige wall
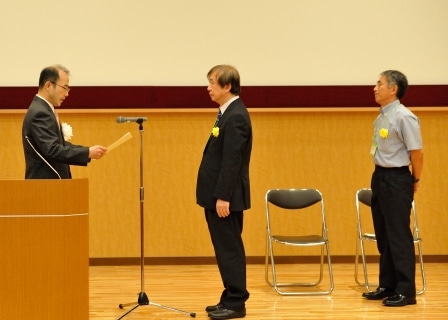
(175,42)
(328,150)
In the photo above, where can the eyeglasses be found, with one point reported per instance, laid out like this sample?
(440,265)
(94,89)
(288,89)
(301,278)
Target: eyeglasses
(66,88)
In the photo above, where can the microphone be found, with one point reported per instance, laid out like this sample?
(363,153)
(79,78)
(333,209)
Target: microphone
(121,119)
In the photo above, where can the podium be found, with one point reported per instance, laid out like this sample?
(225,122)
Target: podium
(44,249)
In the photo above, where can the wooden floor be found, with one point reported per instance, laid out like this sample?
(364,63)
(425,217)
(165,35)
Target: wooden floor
(189,288)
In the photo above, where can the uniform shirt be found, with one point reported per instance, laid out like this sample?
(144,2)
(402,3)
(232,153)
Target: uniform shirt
(396,132)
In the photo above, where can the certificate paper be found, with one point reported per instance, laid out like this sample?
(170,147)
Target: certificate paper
(119,142)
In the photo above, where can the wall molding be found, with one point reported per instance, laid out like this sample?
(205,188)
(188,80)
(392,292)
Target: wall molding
(143,97)
(250,260)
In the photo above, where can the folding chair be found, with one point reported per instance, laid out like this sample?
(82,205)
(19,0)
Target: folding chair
(284,203)
(364,197)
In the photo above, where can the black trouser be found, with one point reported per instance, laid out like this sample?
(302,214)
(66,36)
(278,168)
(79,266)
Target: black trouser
(230,256)
(393,193)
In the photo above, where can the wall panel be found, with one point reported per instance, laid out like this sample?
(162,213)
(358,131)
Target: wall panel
(327,149)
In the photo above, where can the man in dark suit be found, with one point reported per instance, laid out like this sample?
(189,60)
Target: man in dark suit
(223,189)
(47,154)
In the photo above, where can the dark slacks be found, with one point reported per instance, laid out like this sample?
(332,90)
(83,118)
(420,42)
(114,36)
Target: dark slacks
(228,244)
(392,197)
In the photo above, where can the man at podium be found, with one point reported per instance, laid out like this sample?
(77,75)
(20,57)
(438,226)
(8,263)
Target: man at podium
(48,154)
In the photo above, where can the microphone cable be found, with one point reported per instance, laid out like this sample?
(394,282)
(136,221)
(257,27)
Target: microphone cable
(43,159)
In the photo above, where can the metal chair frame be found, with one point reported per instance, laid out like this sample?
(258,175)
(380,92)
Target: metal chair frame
(294,199)
(364,196)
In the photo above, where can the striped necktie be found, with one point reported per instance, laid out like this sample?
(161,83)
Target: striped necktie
(218,118)
(57,117)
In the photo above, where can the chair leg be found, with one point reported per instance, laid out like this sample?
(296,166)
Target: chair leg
(268,260)
(321,271)
(357,265)
(277,286)
(366,283)
(364,263)
(422,268)
(330,269)
(273,271)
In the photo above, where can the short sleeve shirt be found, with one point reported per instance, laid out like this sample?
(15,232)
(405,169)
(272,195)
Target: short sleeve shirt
(396,133)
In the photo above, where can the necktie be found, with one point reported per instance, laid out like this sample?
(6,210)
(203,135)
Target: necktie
(57,117)
(219,117)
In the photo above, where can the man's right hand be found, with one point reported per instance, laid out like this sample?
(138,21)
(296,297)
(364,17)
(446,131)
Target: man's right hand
(97,152)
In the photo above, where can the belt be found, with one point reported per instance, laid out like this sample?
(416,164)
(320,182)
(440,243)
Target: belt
(392,169)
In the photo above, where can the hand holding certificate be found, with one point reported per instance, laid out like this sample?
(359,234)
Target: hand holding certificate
(119,142)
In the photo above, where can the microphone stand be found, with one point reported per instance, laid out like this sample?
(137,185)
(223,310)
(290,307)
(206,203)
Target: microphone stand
(142,297)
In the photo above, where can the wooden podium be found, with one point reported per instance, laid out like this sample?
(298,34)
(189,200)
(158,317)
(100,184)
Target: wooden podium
(44,249)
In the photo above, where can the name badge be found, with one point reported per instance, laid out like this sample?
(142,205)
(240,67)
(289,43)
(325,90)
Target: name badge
(373,149)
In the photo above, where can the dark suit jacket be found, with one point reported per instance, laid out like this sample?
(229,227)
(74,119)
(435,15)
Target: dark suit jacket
(224,170)
(41,128)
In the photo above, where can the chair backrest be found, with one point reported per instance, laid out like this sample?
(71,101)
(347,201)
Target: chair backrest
(292,200)
(365,196)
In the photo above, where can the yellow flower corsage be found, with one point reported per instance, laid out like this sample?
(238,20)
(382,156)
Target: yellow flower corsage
(215,132)
(383,132)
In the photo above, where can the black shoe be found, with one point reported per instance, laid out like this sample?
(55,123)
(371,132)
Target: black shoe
(378,294)
(213,308)
(399,300)
(223,313)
